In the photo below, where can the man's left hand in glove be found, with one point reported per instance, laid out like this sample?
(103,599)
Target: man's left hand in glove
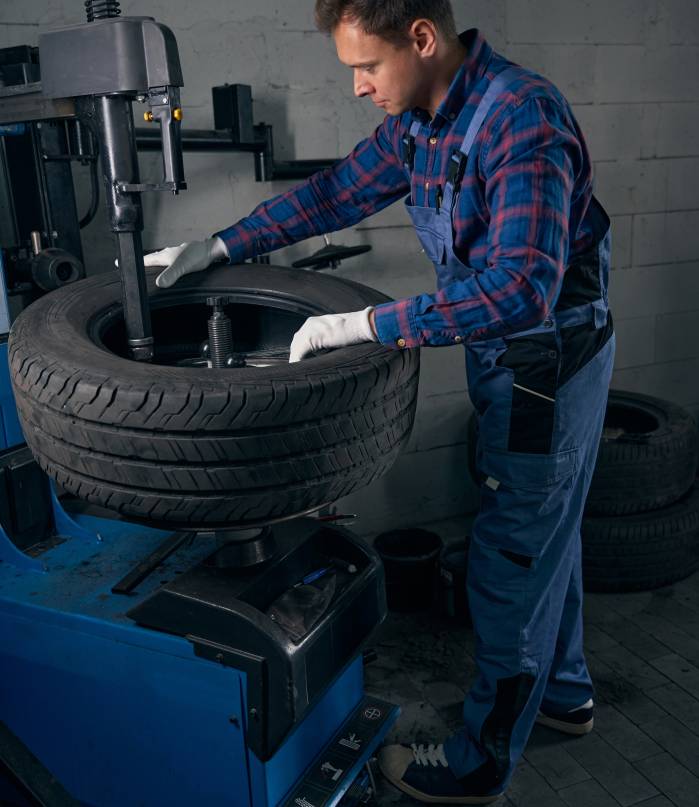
(331,331)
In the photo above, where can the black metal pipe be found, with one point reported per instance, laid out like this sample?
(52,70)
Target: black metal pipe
(196,140)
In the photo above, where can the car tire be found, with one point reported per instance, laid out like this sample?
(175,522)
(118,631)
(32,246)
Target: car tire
(190,445)
(644,550)
(647,456)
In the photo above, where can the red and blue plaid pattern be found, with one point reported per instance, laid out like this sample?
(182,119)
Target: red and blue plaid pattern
(519,218)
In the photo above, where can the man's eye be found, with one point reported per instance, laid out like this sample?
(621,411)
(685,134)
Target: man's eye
(370,70)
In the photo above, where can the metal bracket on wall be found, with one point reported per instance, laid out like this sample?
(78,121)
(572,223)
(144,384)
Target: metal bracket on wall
(235,131)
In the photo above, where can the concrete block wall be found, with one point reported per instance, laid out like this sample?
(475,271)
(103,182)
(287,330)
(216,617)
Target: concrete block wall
(629,67)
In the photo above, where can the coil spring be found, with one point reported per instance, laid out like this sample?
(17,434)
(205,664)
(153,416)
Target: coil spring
(220,333)
(101,9)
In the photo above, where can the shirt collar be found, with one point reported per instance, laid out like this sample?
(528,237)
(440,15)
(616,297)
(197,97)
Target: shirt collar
(467,76)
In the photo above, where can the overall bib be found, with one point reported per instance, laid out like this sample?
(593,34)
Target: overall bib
(540,408)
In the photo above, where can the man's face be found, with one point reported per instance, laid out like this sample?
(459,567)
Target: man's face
(392,76)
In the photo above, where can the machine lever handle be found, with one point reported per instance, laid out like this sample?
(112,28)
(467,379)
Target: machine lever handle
(164,106)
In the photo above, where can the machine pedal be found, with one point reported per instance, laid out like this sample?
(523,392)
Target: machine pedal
(335,771)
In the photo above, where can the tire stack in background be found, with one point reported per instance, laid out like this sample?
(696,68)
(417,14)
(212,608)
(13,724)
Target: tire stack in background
(641,524)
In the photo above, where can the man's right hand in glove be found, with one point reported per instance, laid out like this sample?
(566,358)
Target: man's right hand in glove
(180,261)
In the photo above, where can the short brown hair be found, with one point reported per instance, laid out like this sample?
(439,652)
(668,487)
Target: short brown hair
(389,19)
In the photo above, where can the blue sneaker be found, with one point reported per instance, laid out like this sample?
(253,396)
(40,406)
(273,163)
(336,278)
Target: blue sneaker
(577,721)
(422,771)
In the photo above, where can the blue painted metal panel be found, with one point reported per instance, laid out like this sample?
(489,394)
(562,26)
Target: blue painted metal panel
(9,129)
(119,724)
(10,431)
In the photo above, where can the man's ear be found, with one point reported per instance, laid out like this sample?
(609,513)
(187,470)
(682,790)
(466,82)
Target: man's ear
(424,36)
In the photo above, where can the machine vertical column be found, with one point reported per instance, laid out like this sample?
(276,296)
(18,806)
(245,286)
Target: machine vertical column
(119,159)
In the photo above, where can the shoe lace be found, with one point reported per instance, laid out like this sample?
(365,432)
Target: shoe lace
(429,754)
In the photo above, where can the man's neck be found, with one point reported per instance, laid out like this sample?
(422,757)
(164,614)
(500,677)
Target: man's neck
(449,66)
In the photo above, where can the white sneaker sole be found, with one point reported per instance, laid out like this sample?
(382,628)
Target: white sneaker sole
(425,799)
(577,729)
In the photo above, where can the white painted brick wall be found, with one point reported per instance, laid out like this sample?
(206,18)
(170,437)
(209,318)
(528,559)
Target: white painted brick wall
(629,67)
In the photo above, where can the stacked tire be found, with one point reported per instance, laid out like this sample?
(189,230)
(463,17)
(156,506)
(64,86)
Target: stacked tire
(641,524)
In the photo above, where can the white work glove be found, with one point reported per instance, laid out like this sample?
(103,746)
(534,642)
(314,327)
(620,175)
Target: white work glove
(331,330)
(190,257)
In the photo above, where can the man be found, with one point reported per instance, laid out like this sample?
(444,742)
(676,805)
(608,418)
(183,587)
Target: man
(498,186)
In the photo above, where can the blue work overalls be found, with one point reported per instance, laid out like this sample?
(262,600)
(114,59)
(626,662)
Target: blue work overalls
(539,431)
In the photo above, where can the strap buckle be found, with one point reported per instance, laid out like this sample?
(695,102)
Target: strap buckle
(409,151)
(457,168)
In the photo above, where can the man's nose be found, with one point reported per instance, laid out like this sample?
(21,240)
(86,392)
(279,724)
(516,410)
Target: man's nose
(361,86)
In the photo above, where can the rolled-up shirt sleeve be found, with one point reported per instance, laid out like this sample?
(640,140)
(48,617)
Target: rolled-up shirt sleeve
(529,166)
(370,178)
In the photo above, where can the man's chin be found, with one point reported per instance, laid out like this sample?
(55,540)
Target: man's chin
(394,109)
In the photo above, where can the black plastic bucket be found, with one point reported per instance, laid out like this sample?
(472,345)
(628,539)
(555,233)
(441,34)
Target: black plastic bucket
(410,562)
(453,564)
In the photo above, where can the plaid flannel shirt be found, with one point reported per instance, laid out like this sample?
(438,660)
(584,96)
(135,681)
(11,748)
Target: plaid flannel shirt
(519,217)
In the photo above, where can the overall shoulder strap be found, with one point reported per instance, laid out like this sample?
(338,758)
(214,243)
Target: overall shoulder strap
(457,161)
(497,86)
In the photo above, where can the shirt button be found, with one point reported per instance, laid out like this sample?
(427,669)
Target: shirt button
(458,339)
(400,342)
(433,140)
(452,115)
(548,323)
(427,186)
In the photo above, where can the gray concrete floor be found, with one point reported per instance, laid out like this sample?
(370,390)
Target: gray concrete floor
(643,652)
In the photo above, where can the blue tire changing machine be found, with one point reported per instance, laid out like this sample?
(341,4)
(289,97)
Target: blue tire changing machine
(138,668)
(178,689)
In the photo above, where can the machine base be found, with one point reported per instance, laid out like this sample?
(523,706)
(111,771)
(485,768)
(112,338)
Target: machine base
(123,714)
